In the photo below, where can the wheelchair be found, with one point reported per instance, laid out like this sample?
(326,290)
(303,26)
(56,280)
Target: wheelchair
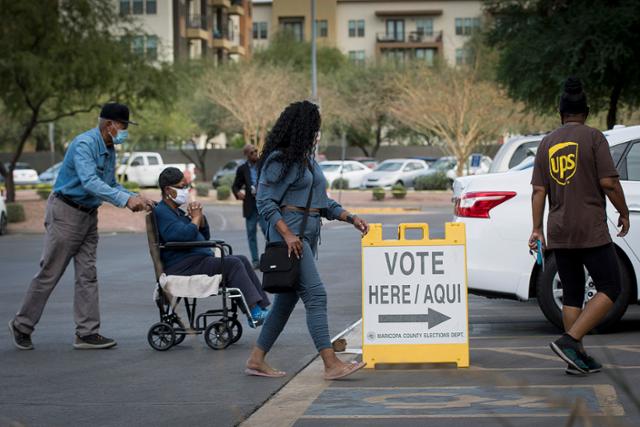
(220,327)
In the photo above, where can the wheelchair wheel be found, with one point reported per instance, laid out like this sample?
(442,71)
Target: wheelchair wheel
(161,336)
(236,330)
(218,335)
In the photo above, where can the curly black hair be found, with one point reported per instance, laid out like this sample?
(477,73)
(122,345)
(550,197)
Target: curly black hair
(293,136)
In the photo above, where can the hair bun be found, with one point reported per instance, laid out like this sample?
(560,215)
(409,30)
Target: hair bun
(573,86)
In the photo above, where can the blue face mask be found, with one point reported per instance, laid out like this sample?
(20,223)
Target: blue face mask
(120,137)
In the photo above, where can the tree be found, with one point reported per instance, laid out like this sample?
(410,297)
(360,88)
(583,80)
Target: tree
(253,93)
(61,58)
(453,104)
(542,42)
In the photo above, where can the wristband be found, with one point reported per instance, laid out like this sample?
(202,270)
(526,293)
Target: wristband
(350,219)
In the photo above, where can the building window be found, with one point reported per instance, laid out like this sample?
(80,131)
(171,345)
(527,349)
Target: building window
(260,30)
(138,7)
(295,28)
(124,7)
(323,28)
(138,45)
(426,55)
(152,7)
(463,56)
(357,56)
(466,26)
(424,26)
(395,55)
(356,28)
(152,47)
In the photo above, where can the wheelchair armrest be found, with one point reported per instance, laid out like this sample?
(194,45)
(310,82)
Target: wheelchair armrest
(197,244)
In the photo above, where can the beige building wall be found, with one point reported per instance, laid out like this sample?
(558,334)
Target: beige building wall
(160,25)
(291,9)
(262,13)
(445,22)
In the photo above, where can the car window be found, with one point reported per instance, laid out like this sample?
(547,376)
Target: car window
(137,161)
(616,153)
(330,168)
(348,167)
(389,167)
(631,163)
(416,166)
(357,167)
(153,160)
(528,149)
(230,165)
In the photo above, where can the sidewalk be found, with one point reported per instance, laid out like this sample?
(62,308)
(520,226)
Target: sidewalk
(115,220)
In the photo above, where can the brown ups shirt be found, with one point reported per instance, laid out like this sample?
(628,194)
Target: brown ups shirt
(569,164)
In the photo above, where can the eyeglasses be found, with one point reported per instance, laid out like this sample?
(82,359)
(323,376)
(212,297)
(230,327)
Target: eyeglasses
(186,186)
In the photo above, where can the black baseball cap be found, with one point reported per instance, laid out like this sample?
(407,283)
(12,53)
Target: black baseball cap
(116,112)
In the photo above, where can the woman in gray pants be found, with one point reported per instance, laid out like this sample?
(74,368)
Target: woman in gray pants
(287,172)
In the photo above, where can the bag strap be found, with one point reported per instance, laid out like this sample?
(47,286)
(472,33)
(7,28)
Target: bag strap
(303,226)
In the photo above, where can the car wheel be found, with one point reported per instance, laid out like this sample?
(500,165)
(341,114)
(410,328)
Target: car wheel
(3,224)
(549,293)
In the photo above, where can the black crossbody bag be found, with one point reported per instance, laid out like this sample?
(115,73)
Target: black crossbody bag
(281,272)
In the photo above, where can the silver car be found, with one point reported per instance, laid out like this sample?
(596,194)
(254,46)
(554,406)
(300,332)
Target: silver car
(395,171)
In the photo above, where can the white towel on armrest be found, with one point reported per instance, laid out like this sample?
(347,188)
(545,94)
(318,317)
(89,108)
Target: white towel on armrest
(197,286)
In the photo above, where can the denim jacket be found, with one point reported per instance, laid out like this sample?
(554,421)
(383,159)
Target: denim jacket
(292,190)
(88,173)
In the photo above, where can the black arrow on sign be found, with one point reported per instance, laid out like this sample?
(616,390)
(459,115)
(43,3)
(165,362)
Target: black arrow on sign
(433,318)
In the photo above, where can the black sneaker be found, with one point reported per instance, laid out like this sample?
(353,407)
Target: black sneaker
(573,371)
(568,349)
(593,364)
(20,340)
(93,341)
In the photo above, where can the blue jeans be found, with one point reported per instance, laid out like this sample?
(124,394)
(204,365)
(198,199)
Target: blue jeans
(251,223)
(311,290)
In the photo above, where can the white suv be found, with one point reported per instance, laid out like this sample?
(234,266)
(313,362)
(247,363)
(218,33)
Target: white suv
(496,209)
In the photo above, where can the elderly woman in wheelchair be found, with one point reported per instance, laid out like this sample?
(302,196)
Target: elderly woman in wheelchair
(175,228)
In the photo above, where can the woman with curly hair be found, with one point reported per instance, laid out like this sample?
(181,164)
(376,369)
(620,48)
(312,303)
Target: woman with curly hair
(288,170)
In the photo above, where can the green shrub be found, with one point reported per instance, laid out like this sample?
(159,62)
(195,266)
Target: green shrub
(224,191)
(227,180)
(378,193)
(44,187)
(202,190)
(436,181)
(398,191)
(340,184)
(131,186)
(15,212)
(43,193)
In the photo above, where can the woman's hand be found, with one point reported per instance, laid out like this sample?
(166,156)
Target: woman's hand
(361,225)
(194,209)
(294,244)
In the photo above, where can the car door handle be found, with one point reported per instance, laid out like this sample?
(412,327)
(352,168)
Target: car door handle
(634,208)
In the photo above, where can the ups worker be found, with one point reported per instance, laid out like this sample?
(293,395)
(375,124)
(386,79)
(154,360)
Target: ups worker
(574,168)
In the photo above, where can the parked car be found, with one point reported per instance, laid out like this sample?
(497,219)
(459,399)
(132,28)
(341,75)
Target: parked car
(369,162)
(449,166)
(395,171)
(229,168)
(429,159)
(515,151)
(3,216)
(496,209)
(50,175)
(353,172)
(144,168)
(23,174)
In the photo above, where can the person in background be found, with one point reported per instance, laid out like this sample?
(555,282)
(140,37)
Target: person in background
(575,170)
(86,179)
(244,188)
(288,175)
(176,225)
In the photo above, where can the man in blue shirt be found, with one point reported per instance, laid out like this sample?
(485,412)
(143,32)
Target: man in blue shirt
(244,188)
(86,179)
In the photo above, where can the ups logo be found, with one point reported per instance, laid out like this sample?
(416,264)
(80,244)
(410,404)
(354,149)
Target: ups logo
(563,162)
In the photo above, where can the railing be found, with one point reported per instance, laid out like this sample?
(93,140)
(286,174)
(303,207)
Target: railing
(411,37)
(197,21)
(236,2)
(220,34)
(390,37)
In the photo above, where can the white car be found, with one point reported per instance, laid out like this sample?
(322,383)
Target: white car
(354,172)
(496,209)
(3,216)
(515,151)
(23,174)
(395,171)
(449,166)
(144,168)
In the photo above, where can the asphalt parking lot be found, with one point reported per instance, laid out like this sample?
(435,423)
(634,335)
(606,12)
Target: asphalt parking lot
(513,379)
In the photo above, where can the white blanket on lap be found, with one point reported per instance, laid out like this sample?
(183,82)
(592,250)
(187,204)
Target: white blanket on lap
(197,286)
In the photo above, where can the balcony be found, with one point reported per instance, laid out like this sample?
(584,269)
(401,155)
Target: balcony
(197,27)
(413,37)
(221,40)
(220,3)
(237,8)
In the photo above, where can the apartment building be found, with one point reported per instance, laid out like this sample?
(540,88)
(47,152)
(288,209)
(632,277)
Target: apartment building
(190,29)
(369,29)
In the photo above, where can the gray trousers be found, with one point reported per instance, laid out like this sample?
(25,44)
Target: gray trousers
(70,234)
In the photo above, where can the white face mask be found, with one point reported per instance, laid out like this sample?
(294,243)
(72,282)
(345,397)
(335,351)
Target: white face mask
(182,196)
